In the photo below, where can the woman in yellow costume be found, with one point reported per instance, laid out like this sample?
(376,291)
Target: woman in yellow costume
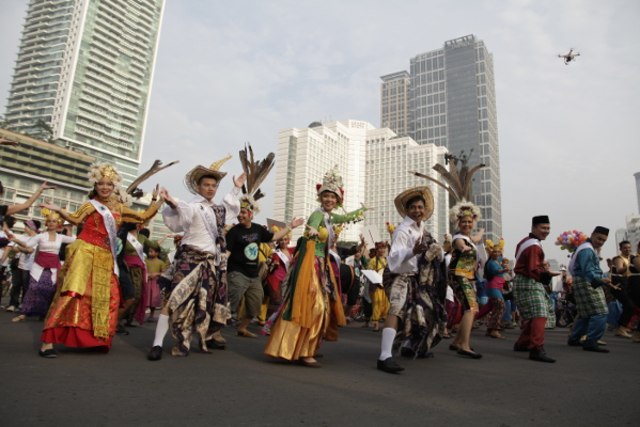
(84,311)
(312,308)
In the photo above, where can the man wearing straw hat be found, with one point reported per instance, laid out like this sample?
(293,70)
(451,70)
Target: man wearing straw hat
(195,284)
(409,244)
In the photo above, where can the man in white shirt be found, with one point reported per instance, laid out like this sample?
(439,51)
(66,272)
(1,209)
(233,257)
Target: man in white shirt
(411,241)
(195,285)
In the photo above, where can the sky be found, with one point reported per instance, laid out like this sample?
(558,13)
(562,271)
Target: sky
(234,72)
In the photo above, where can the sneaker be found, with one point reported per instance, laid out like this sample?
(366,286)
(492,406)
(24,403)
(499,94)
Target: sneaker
(11,308)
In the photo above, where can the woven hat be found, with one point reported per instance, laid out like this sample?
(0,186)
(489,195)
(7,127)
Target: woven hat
(401,200)
(197,173)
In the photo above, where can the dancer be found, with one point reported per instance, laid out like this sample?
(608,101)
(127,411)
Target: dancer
(463,268)
(379,301)
(312,309)
(529,292)
(242,268)
(280,262)
(417,318)
(20,273)
(195,284)
(494,273)
(46,264)
(152,298)
(84,309)
(588,283)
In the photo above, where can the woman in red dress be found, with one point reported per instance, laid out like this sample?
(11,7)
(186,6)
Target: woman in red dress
(84,311)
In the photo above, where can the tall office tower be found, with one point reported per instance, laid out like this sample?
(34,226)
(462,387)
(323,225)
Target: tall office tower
(305,155)
(390,160)
(83,76)
(452,103)
(394,108)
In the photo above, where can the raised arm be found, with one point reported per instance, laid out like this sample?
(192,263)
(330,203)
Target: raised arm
(27,203)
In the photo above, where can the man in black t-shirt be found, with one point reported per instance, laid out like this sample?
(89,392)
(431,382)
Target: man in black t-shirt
(243,243)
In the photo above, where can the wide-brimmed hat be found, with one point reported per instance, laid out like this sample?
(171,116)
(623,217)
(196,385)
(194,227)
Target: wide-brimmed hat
(402,199)
(196,174)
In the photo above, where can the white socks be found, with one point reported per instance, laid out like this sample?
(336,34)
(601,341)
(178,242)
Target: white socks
(161,329)
(388,335)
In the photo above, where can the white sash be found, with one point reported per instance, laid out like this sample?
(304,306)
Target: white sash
(112,231)
(285,259)
(526,245)
(209,220)
(136,245)
(572,263)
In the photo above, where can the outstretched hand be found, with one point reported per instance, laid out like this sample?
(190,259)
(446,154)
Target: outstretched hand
(311,231)
(240,180)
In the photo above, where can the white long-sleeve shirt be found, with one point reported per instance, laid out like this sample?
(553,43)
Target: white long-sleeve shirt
(186,218)
(401,258)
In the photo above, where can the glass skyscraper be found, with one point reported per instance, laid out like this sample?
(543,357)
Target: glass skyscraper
(83,76)
(452,103)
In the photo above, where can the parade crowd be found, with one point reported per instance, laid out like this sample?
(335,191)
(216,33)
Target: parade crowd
(91,274)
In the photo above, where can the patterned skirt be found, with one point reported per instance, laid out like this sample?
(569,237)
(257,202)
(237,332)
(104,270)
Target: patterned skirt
(531,298)
(39,295)
(196,294)
(589,301)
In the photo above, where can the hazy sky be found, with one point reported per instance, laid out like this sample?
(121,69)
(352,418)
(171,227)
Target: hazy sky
(231,72)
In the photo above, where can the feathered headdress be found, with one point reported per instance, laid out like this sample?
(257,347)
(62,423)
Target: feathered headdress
(462,209)
(256,172)
(97,171)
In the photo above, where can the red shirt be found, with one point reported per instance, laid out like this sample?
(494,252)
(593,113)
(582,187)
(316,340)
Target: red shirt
(531,261)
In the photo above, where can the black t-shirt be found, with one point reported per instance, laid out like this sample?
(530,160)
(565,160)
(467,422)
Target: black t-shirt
(244,245)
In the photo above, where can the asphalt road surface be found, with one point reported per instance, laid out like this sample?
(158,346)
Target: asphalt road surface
(241,387)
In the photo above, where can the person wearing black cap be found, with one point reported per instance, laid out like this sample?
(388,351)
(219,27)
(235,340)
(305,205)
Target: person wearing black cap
(588,286)
(529,292)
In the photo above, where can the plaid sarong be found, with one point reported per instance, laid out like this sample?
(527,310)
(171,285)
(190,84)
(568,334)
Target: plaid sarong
(589,301)
(531,298)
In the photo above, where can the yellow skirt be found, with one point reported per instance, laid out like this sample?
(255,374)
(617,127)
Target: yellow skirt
(289,339)
(380,304)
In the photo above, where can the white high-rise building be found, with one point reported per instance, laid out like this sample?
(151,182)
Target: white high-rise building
(374,164)
(390,161)
(305,155)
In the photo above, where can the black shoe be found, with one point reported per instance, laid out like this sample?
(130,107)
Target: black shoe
(216,345)
(517,347)
(596,349)
(407,352)
(540,356)
(471,354)
(155,353)
(121,330)
(572,343)
(49,354)
(389,365)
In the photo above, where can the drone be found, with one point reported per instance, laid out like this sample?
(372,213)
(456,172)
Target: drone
(570,56)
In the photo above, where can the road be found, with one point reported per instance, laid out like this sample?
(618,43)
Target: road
(241,387)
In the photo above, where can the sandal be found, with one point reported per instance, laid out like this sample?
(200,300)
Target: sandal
(246,334)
